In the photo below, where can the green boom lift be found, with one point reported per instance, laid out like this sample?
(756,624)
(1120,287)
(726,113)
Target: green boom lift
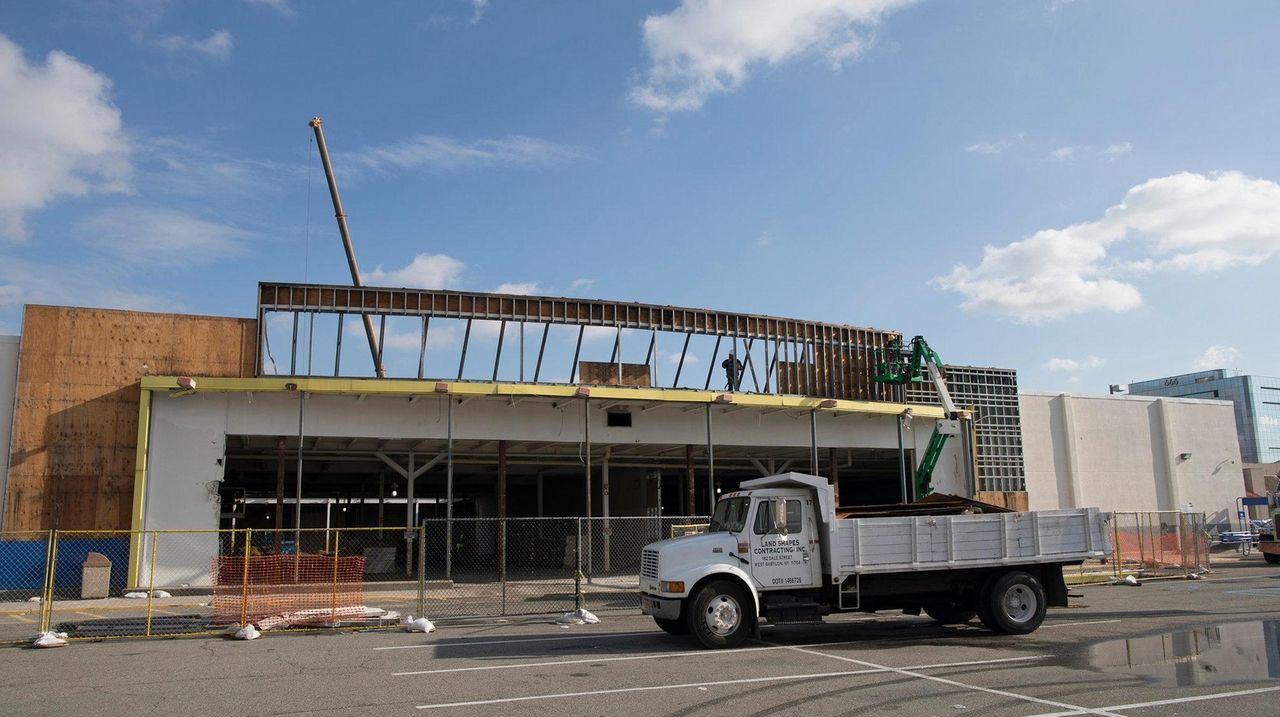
(917,363)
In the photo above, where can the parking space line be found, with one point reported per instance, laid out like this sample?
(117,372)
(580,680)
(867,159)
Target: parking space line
(1171,701)
(515,641)
(910,672)
(717,683)
(1075,624)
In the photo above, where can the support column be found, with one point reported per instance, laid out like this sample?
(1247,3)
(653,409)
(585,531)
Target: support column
(813,443)
(410,515)
(448,498)
(902,457)
(297,497)
(834,460)
(691,503)
(382,496)
(711,466)
(604,506)
(279,492)
(586,439)
(502,510)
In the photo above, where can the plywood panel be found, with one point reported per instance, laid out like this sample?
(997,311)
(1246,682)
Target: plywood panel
(76,418)
(606,374)
(1013,500)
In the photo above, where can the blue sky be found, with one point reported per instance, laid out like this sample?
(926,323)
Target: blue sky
(1082,190)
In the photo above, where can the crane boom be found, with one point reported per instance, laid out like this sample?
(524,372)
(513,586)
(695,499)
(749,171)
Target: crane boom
(375,351)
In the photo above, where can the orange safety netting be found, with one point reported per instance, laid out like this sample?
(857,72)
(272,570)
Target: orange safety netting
(287,589)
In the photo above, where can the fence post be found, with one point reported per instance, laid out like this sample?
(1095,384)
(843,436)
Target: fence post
(502,561)
(46,609)
(1115,545)
(151,579)
(422,569)
(244,581)
(333,600)
(577,567)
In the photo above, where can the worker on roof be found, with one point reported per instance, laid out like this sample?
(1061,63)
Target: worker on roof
(732,371)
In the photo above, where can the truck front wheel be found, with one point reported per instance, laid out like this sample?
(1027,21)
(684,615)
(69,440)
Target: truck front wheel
(1013,603)
(720,615)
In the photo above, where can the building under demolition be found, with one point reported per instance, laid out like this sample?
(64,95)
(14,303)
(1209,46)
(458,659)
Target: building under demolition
(462,405)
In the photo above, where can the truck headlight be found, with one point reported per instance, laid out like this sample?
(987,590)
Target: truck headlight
(670,586)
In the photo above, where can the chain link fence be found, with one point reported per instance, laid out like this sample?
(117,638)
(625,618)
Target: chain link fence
(24,568)
(1159,543)
(157,583)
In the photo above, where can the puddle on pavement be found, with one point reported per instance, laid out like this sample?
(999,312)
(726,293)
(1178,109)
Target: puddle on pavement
(1221,654)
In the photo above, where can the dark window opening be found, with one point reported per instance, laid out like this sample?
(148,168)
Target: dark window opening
(618,419)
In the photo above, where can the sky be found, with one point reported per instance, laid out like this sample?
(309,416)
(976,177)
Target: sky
(1083,190)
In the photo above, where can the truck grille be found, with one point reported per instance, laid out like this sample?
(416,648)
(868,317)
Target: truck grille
(649,564)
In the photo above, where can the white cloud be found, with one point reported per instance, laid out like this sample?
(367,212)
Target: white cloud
(215,47)
(764,240)
(707,47)
(282,7)
(995,146)
(477,10)
(438,153)
(674,359)
(1063,154)
(1118,149)
(1192,222)
(426,271)
(62,135)
(524,288)
(159,236)
(1071,365)
(582,284)
(1217,357)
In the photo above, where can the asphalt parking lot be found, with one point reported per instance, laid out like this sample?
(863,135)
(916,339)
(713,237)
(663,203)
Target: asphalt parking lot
(1165,648)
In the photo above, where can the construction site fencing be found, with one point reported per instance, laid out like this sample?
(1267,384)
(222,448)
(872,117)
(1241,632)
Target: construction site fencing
(154,583)
(1159,543)
(164,583)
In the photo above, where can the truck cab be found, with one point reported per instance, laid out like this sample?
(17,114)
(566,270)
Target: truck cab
(764,539)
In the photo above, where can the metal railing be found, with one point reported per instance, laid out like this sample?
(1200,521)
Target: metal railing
(191,582)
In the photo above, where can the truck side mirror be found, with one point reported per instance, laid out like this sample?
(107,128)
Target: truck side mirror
(780,516)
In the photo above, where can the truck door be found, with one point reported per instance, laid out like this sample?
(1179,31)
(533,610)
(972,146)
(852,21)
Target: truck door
(784,547)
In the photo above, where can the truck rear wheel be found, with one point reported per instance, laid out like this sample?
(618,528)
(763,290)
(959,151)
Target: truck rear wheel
(949,613)
(1013,603)
(672,627)
(720,615)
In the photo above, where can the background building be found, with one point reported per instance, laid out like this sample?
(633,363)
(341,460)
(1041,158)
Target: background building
(1132,453)
(1256,400)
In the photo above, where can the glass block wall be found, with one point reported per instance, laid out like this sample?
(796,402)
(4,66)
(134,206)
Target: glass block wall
(992,393)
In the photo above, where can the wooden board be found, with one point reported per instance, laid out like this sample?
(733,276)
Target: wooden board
(606,374)
(76,417)
(1011,499)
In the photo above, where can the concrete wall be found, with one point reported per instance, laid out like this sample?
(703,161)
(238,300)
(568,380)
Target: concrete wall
(1126,453)
(8,396)
(188,435)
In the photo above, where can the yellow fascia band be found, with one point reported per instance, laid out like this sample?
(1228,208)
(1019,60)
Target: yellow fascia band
(407,388)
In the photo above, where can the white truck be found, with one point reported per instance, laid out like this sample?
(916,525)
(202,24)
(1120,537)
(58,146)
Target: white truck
(779,550)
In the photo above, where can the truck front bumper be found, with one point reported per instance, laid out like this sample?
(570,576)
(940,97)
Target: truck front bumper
(660,607)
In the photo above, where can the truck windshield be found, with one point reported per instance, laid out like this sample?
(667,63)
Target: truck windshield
(730,515)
